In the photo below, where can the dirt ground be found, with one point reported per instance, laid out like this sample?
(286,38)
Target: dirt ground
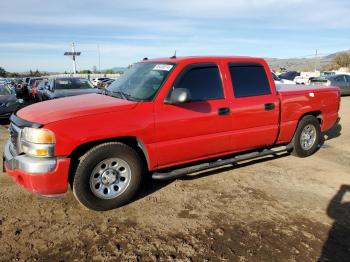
(276,209)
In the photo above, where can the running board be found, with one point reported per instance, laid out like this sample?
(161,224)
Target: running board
(221,162)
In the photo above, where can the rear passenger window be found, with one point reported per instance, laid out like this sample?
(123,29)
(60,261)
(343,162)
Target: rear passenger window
(203,82)
(249,80)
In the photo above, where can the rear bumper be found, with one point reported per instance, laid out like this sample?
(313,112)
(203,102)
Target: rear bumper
(43,176)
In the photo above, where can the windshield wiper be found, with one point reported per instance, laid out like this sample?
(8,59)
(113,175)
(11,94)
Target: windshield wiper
(129,97)
(113,94)
(122,95)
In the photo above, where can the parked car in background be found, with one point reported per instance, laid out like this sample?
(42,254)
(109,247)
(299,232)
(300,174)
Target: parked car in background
(68,86)
(38,96)
(108,83)
(20,86)
(105,83)
(341,81)
(279,80)
(8,101)
(289,75)
(97,81)
(31,84)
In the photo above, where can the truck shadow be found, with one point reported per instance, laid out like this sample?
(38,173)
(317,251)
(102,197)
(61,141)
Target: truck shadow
(330,134)
(337,245)
(150,186)
(334,132)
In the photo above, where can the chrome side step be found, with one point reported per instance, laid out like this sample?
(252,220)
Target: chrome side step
(176,173)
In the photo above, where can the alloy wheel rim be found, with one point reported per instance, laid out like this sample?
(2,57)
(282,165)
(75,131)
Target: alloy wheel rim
(110,178)
(308,137)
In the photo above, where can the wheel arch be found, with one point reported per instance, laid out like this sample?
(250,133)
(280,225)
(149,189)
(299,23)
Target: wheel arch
(317,114)
(134,142)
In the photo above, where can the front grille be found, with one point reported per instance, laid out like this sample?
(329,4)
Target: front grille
(14,136)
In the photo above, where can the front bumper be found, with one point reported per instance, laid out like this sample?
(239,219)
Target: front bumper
(43,176)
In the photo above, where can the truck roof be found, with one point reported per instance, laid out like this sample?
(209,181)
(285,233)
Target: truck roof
(204,58)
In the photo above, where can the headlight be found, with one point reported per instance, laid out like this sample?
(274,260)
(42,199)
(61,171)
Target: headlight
(38,142)
(38,135)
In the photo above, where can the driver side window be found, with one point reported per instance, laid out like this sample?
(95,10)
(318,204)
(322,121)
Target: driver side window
(202,81)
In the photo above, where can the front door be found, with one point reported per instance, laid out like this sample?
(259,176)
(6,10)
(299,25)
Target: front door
(196,129)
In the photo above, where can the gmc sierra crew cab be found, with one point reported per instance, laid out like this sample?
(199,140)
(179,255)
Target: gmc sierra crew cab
(165,117)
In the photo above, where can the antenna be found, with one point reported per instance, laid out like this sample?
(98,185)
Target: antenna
(174,56)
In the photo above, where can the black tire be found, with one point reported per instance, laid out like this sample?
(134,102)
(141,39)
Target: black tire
(90,160)
(300,150)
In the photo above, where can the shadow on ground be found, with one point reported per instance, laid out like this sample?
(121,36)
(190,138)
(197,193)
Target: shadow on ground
(150,186)
(334,132)
(337,245)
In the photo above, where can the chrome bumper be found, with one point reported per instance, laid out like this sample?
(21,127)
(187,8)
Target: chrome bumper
(30,165)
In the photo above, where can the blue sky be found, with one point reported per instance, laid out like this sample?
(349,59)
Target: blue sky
(34,34)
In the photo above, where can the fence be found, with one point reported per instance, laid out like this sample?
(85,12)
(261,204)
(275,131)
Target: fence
(88,76)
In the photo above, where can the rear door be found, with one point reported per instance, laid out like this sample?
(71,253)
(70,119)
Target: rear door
(254,106)
(196,129)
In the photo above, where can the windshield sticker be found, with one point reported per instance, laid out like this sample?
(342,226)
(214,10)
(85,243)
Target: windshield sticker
(163,67)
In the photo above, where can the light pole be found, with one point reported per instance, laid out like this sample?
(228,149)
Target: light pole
(73,54)
(99,58)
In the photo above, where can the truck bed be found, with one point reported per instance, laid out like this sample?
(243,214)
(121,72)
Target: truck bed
(296,89)
(296,100)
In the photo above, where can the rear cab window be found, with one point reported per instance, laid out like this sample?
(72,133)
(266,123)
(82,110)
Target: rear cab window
(203,81)
(249,79)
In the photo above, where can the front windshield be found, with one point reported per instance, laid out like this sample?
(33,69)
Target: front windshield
(142,81)
(73,83)
(4,90)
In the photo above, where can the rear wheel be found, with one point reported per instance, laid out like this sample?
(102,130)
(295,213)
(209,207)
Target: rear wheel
(107,176)
(307,137)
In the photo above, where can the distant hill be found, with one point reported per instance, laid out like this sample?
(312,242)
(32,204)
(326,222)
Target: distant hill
(295,64)
(331,56)
(302,64)
(119,69)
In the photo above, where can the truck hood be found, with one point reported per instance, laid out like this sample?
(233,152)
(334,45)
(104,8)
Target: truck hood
(72,107)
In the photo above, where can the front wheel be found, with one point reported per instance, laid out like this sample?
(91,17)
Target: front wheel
(107,176)
(307,137)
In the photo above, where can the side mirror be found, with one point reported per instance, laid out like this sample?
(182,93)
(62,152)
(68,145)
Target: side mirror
(179,96)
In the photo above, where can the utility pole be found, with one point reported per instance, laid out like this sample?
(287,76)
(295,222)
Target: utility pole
(73,54)
(74,63)
(99,58)
(316,60)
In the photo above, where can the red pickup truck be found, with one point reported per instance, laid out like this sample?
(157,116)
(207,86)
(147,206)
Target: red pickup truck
(164,117)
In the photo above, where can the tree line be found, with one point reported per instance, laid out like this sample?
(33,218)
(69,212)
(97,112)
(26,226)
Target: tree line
(4,73)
